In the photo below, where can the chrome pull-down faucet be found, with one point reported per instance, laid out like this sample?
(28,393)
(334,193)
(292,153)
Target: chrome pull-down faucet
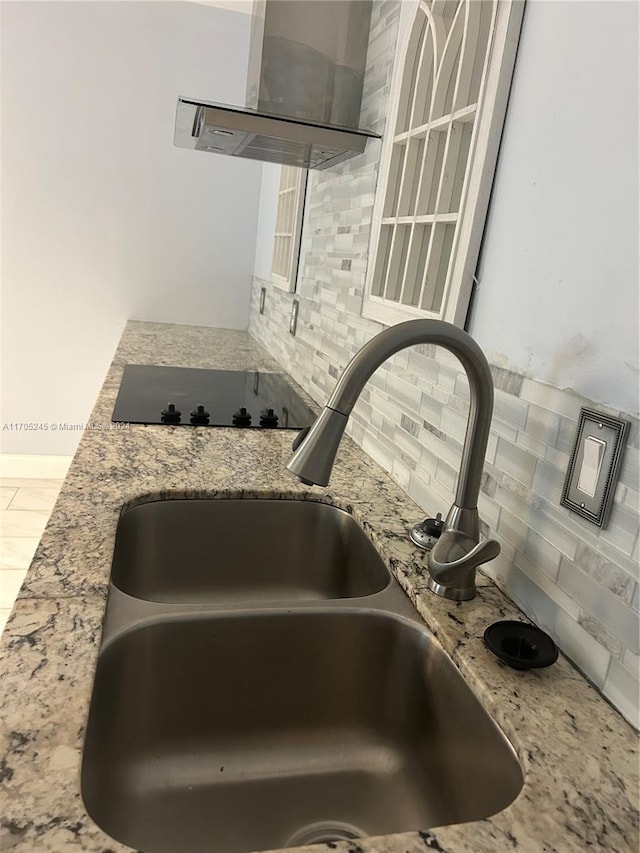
(453,559)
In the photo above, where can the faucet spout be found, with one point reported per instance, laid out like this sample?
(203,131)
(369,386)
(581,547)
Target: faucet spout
(312,462)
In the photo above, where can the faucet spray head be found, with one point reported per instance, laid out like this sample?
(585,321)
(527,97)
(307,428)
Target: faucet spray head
(313,458)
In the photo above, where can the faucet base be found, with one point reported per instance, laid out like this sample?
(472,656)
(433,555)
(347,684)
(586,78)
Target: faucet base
(454,593)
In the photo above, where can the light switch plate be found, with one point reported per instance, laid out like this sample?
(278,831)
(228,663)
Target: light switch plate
(594,466)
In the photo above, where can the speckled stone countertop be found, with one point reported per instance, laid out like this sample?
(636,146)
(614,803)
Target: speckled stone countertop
(580,758)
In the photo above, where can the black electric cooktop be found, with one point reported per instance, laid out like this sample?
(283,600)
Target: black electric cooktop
(187,396)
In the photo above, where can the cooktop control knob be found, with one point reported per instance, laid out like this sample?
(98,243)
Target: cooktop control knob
(268,418)
(171,415)
(242,418)
(200,415)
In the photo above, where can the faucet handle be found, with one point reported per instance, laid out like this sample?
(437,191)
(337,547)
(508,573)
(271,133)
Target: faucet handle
(486,550)
(480,553)
(452,564)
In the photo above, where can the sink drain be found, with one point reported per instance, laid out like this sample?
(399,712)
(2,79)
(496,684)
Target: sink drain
(322,832)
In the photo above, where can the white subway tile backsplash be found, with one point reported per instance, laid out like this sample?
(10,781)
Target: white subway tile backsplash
(458,404)
(446,475)
(633,435)
(543,425)
(441,436)
(608,608)
(532,445)
(555,400)
(430,409)
(388,429)
(504,430)
(421,363)
(447,378)
(440,395)
(507,380)
(566,435)
(453,424)
(401,472)
(512,411)
(623,688)
(512,499)
(603,635)
(501,568)
(450,451)
(515,461)
(541,553)
(630,498)
(402,391)
(380,453)
(585,652)
(420,491)
(356,431)
(513,529)
(508,551)
(462,387)
(488,483)
(363,411)
(407,443)
(448,360)
(558,458)
(548,481)
(611,554)
(408,424)
(631,663)
(605,572)
(442,495)
(489,512)
(398,363)
(492,447)
(559,537)
(548,585)
(622,530)
(542,609)
(630,468)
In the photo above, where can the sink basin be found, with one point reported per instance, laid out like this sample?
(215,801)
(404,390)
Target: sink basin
(228,552)
(283,727)
(263,682)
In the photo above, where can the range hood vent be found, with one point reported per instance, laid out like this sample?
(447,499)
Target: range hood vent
(306,71)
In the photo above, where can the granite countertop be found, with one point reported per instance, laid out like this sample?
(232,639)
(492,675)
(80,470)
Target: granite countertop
(579,757)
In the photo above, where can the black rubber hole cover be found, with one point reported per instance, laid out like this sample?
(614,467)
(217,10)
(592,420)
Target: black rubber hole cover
(520,645)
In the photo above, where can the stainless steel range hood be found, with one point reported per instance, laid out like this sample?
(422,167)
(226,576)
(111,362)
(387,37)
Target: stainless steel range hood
(307,62)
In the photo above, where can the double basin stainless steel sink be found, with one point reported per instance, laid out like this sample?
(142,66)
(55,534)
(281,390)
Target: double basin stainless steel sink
(263,682)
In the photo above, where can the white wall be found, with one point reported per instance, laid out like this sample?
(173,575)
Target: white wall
(558,298)
(103,219)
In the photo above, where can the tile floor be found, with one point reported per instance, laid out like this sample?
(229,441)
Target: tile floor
(29,486)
